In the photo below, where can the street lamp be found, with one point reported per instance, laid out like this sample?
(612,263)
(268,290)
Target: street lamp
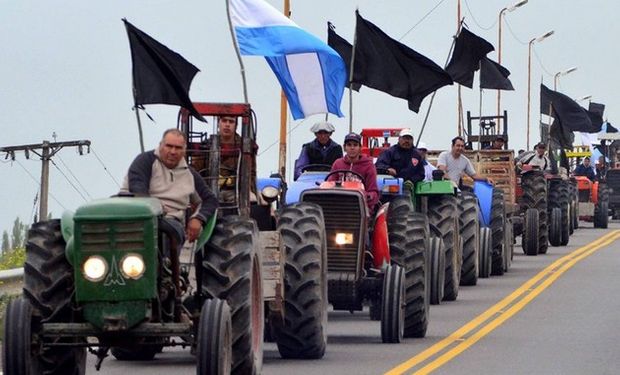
(499,43)
(529,77)
(560,74)
(586,97)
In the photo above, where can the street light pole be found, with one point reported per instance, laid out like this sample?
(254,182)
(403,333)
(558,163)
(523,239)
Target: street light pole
(499,44)
(559,74)
(529,78)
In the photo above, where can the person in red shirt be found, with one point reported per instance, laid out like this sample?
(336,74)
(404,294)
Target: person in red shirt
(353,160)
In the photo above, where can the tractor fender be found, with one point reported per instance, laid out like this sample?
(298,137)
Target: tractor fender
(67,229)
(594,192)
(380,243)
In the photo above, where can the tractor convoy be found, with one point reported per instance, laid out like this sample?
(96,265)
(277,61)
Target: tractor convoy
(109,278)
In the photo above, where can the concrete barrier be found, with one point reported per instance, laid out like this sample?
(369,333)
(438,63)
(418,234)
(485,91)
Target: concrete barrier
(12,275)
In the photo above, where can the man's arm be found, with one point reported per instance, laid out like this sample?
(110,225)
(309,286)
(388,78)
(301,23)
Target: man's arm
(301,162)
(384,161)
(442,162)
(140,172)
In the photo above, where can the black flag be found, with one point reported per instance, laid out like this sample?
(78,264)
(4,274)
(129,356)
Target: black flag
(387,65)
(160,75)
(568,116)
(344,48)
(469,49)
(494,76)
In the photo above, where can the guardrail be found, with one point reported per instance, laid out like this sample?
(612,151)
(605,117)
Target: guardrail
(12,275)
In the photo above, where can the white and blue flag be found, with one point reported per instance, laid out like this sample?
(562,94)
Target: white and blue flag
(311,73)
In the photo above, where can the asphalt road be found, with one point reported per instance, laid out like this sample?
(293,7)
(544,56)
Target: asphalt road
(563,321)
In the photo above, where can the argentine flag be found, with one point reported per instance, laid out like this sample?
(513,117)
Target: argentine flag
(311,73)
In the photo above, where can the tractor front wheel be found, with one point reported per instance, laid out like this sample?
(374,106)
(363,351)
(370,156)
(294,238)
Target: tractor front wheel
(530,232)
(470,233)
(486,256)
(438,269)
(214,338)
(393,306)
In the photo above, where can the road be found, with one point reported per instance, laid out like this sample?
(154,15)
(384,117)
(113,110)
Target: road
(550,314)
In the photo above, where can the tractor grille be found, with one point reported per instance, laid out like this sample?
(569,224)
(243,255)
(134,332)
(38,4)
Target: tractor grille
(342,212)
(584,195)
(117,235)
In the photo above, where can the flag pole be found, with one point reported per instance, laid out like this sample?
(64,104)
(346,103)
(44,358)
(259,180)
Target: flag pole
(430,105)
(283,111)
(459,104)
(137,110)
(234,39)
(351,67)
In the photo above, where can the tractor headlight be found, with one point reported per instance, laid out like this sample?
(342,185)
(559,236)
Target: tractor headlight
(344,238)
(95,268)
(132,266)
(270,193)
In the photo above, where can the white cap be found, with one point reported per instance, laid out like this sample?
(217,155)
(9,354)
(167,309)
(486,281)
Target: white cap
(423,146)
(322,126)
(405,132)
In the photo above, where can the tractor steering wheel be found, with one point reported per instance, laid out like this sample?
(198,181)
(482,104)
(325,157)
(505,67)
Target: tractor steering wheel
(345,172)
(316,168)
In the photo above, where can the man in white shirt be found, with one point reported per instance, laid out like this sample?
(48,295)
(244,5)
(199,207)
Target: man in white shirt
(538,159)
(455,164)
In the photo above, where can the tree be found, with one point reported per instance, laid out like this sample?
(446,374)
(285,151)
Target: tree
(6,245)
(17,238)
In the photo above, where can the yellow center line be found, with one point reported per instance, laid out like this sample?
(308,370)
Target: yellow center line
(553,271)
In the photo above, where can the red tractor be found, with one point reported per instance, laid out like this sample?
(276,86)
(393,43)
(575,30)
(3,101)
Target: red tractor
(593,201)
(378,258)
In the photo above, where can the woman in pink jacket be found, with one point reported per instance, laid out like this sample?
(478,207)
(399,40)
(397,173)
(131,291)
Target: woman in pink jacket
(353,160)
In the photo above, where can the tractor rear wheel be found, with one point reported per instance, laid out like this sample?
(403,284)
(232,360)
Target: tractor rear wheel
(408,246)
(535,196)
(470,233)
(498,224)
(231,271)
(214,338)
(559,198)
(393,306)
(443,216)
(437,269)
(530,232)
(303,333)
(48,287)
(601,209)
(486,258)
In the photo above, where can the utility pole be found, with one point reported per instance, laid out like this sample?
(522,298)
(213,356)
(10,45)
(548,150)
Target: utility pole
(45,151)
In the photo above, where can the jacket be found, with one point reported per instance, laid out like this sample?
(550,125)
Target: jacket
(407,163)
(364,167)
(175,188)
(316,153)
(582,170)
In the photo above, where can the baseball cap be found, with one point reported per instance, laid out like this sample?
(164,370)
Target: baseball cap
(322,126)
(405,133)
(353,137)
(422,146)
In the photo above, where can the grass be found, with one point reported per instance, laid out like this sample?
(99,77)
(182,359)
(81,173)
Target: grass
(13,259)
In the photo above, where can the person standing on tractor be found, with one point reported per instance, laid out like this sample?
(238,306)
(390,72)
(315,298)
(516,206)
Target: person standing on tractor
(428,167)
(354,161)
(455,164)
(321,151)
(498,143)
(402,160)
(163,173)
(601,168)
(585,169)
(536,159)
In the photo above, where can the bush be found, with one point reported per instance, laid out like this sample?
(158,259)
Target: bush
(14,259)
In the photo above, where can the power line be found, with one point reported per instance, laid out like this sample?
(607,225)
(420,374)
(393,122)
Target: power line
(422,19)
(38,182)
(540,63)
(288,133)
(513,33)
(74,176)
(69,181)
(104,167)
(476,21)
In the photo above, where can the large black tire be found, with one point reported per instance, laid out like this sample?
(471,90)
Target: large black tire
(509,244)
(303,333)
(535,196)
(214,349)
(443,215)
(470,234)
(559,198)
(437,269)
(393,306)
(231,270)
(498,224)
(575,200)
(601,209)
(530,237)
(486,256)
(408,234)
(555,226)
(17,341)
(571,207)
(48,287)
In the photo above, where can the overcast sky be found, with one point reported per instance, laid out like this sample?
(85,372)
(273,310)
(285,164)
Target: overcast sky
(66,69)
